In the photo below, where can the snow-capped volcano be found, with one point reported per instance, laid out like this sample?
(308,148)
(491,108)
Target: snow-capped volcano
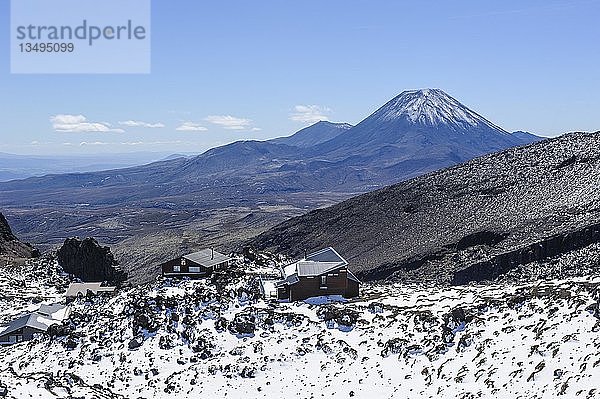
(432,108)
(419,131)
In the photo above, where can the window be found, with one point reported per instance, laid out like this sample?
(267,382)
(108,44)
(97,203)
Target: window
(182,261)
(194,269)
(323,281)
(177,268)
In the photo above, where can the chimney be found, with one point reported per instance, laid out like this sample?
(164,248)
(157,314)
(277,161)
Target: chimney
(212,253)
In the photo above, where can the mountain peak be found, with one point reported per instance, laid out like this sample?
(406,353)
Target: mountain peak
(339,125)
(432,108)
(314,134)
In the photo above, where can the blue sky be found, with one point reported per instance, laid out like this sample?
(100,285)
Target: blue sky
(228,70)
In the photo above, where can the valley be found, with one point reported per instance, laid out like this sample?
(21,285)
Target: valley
(231,193)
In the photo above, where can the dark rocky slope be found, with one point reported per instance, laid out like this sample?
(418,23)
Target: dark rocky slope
(10,245)
(476,221)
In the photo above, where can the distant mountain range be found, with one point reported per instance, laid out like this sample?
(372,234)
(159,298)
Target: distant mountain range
(231,192)
(13,166)
(414,133)
(480,220)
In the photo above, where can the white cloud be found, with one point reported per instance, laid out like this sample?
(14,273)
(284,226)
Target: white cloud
(84,143)
(65,123)
(191,127)
(133,143)
(229,122)
(310,113)
(131,123)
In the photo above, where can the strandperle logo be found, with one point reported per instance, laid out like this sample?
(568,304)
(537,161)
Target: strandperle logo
(80,36)
(85,32)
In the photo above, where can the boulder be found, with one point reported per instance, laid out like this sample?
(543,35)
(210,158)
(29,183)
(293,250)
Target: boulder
(89,261)
(243,324)
(393,346)
(60,330)
(248,372)
(70,343)
(376,307)
(5,231)
(135,343)
(204,347)
(343,316)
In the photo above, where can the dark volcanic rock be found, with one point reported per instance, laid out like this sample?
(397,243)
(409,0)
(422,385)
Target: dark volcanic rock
(343,316)
(243,324)
(10,245)
(135,343)
(476,221)
(393,346)
(5,231)
(89,261)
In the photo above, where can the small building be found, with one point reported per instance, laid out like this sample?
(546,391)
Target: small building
(25,327)
(197,264)
(76,289)
(324,272)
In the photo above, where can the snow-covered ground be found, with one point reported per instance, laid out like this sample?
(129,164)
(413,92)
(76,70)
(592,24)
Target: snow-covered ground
(24,287)
(189,339)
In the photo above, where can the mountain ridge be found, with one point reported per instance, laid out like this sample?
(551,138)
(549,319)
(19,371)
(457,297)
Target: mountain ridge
(488,214)
(314,134)
(264,178)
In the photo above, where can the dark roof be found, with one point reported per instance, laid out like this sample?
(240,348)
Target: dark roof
(39,320)
(326,255)
(82,288)
(352,277)
(311,268)
(315,264)
(49,310)
(207,257)
(28,320)
(293,279)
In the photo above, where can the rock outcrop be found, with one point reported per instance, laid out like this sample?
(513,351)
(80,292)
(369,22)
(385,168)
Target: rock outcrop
(10,244)
(89,261)
(5,231)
